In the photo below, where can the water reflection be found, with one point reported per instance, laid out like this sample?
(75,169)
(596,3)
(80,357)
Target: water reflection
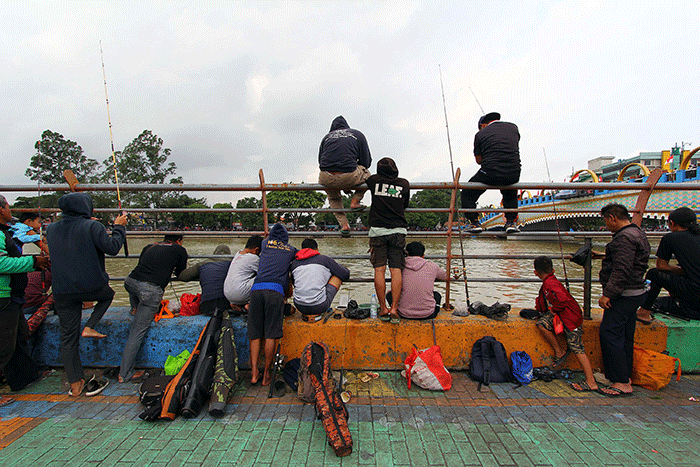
(519,295)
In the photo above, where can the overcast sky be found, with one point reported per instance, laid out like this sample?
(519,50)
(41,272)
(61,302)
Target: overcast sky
(232,87)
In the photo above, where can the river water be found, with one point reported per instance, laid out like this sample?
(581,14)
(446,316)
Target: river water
(516,294)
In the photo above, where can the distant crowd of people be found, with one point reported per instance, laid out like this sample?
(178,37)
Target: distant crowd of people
(260,278)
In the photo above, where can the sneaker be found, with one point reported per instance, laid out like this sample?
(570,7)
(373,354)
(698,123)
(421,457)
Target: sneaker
(511,228)
(95,386)
(475,227)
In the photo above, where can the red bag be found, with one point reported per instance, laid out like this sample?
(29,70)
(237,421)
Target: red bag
(190,304)
(558,324)
(427,370)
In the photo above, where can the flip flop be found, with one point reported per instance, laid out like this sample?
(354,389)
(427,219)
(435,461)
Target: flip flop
(345,233)
(395,319)
(5,401)
(559,361)
(360,208)
(582,387)
(386,317)
(615,392)
(645,322)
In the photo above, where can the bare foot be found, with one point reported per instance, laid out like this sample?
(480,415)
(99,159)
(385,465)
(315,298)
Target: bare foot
(89,332)
(254,377)
(76,389)
(267,378)
(644,316)
(87,305)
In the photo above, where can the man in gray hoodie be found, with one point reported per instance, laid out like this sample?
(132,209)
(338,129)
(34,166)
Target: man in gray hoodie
(344,160)
(78,245)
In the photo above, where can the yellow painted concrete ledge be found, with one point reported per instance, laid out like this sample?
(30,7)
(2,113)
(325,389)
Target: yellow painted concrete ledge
(374,344)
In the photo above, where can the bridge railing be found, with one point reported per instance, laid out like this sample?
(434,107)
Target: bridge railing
(454,227)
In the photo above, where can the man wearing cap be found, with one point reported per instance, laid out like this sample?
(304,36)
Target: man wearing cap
(681,280)
(496,151)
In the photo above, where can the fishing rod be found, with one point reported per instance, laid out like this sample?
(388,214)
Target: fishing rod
(452,166)
(477,101)
(111,140)
(556,222)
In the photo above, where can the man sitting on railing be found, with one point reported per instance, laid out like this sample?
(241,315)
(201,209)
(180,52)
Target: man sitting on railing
(344,161)
(241,274)
(682,280)
(496,151)
(316,278)
(387,232)
(211,274)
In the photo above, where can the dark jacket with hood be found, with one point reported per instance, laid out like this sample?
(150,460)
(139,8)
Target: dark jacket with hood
(343,148)
(625,263)
(390,195)
(276,256)
(78,245)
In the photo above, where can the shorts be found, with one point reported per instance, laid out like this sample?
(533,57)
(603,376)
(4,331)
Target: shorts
(265,314)
(317,309)
(388,247)
(574,339)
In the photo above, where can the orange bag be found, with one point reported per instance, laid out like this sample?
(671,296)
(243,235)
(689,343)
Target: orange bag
(189,304)
(653,370)
(558,324)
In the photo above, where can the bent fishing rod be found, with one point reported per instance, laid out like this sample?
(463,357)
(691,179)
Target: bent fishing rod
(111,140)
(556,222)
(452,166)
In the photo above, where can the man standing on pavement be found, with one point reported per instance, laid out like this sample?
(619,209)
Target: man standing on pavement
(344,161)
(146,284)
(387,233)
(682,280)
(17,366)
(622,277)
(78,245)
(496,151)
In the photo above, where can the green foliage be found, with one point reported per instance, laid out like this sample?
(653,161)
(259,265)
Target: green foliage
(191,220)
(295,199)
(54,154)
(429,199)
(249,220)
(222,220)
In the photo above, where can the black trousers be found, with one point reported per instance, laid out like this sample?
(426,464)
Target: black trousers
(17,365)
(510,197)
(69,308)
(678,286)
(617,337)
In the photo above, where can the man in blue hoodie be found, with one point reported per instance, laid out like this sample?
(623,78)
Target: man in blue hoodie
(267,299)
(78,245)
(344,160)
(317,279)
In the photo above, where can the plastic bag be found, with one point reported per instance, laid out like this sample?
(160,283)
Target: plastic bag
(174,364)
(427,370)
(189,304)
(653,370)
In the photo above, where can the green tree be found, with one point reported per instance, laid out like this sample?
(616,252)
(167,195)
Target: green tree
(183,220)
(329,219)
(249,220)
(222,220)
(429,199)
(295,199)
(144,160)
(54,154)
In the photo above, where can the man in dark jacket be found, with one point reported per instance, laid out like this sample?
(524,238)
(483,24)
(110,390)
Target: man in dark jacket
(317,279)
(344,160)
(496,151)
(17,366)
(622,277)
(267,300)
(387,232)
(78,245)
(211,274)
(146,284)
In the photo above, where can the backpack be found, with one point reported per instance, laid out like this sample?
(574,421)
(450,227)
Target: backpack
(489,363)
(290,373)
(152,389)
(522,367)
(329,405)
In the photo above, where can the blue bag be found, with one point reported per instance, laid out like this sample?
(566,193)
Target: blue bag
(522,367)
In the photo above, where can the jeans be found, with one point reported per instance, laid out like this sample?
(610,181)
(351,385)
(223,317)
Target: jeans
(69,308)
(510,197)
(146,298)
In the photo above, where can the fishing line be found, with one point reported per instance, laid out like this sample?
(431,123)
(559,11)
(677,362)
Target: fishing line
(556,221)
(111,140)
(449,146)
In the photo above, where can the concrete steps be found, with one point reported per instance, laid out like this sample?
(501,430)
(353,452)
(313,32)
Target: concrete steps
(365,344)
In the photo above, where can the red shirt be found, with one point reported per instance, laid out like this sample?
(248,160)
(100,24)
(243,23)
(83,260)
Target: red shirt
(560,302)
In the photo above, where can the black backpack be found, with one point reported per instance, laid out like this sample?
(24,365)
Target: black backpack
(489,363)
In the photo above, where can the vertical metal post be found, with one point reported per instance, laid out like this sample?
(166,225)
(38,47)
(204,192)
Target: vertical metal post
(587,273)
(266,228)
(450,221)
